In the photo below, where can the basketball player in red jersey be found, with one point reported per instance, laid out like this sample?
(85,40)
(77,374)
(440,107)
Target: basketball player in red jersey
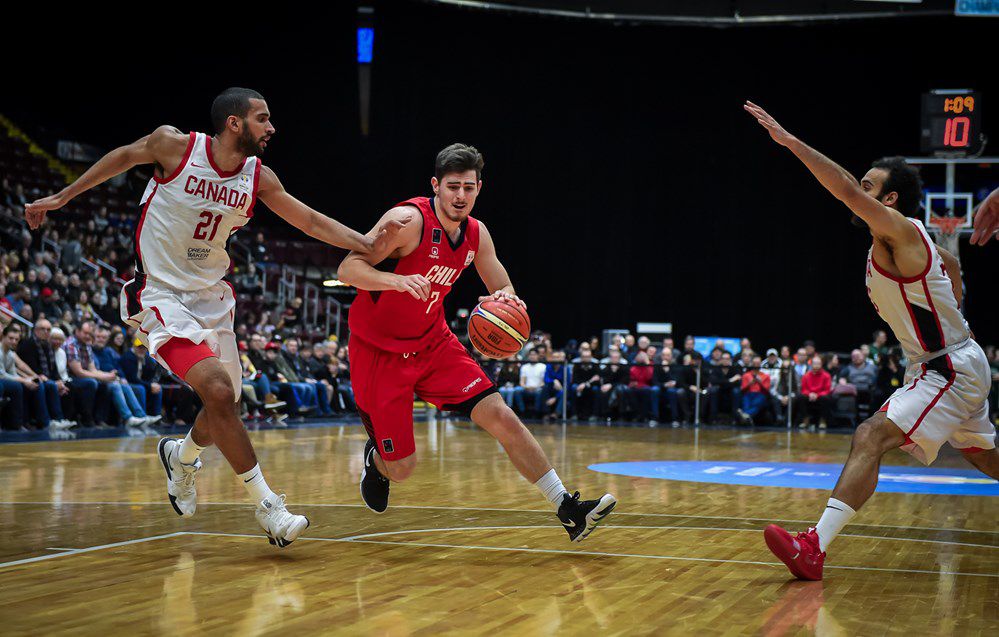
(400,343)
(203,190)
(915,287)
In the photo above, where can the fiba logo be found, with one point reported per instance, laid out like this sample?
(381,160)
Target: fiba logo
(469,257)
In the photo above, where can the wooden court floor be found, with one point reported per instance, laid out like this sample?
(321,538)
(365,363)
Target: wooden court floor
(89,545)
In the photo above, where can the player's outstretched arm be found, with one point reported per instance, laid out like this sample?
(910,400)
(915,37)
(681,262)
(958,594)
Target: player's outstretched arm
(165,146)
(491,270)
(317,225)
(358,268)
(883,221)
(986,220)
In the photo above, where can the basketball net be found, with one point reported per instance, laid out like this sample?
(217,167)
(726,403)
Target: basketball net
(946,234)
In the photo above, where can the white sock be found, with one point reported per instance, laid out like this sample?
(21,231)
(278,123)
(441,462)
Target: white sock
(551,487)
(833,519)
(255,484)
(189,450)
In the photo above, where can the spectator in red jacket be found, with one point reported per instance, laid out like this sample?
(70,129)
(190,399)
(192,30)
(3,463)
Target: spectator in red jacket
(755,392)
(814,400)
(640,390)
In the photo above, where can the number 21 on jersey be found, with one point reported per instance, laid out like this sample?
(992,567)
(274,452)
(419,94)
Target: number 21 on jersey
(207,219)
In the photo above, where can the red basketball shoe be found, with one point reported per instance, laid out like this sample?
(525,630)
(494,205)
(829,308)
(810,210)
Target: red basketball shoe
(800,553)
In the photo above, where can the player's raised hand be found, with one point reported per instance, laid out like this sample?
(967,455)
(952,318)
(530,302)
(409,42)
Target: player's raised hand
(416,285)
(986,220)
(764,119)
(34,212)
(388,231)
(500,295)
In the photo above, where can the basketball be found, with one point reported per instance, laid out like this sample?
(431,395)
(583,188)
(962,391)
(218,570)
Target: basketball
(498,329)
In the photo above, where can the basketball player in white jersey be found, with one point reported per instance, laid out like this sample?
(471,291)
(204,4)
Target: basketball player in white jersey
(916,288)
(202,191)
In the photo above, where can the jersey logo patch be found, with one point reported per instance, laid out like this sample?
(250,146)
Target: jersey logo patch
(434,252)
(469,257)
(387,445)
(436,235)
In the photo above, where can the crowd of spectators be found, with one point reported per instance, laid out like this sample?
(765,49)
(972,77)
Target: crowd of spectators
(639,381)
(71,361)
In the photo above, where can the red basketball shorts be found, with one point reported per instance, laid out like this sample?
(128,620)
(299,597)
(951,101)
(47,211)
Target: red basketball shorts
(384,382)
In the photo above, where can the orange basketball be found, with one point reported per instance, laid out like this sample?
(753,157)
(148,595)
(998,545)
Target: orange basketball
(498,328)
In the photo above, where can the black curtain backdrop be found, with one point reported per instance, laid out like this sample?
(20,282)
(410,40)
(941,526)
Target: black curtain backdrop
(623,181)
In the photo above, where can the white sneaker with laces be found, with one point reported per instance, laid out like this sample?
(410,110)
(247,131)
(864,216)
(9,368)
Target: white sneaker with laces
(180,477)
(282,528)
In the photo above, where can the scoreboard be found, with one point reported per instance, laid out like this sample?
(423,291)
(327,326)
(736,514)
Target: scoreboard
(952,123)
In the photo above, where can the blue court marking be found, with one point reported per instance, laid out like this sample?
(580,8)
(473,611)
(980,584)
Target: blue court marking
(806,475)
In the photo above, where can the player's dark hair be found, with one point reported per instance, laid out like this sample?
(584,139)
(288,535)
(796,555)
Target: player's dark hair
(903,179)
(232,101)
(457,158)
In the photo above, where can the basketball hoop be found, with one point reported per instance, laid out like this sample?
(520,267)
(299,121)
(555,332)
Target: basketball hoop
(946,232)
(946,226)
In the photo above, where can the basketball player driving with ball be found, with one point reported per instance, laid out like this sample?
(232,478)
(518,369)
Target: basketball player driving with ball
(400,343)
(915,287)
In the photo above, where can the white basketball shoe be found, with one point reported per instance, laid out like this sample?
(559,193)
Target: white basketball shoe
(282,528)
(180,477)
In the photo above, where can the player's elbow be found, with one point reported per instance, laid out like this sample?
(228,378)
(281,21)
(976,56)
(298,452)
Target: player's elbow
(346,271)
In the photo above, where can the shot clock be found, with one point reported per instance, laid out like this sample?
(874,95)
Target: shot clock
(951,123)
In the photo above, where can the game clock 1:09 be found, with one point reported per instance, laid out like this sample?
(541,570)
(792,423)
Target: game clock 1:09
(951,123)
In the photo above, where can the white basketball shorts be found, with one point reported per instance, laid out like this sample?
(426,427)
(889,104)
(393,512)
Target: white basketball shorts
(944,400)
(165,317)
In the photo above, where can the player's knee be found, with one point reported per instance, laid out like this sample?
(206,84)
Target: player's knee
(217,392)
(877,434)
(399,470)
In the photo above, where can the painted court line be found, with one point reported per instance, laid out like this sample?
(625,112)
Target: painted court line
(594,553)
(452,508)
(42,558)
(654,528)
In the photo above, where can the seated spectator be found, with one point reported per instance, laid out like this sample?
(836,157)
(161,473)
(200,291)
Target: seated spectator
(862,374)
(37,354)
(585,383)
(801,362)
(668,344)
(140,370)
(80,360)
(613,385)
(107,359)
(891,376)
(723,388)
(317,370)
(299,395)
(669,386)
(22,386)
(755,386)
(532,380)
(301,369)
(554,392)
(879,346)
(82,391)
(813,404)
(640,390)
(508,383)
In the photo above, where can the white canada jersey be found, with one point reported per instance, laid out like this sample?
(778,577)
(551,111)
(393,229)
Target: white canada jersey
(189,215)
(921,310)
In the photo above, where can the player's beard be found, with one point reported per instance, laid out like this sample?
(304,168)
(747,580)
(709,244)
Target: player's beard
(247,145)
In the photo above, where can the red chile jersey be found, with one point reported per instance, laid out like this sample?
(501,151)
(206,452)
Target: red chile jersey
(395,321)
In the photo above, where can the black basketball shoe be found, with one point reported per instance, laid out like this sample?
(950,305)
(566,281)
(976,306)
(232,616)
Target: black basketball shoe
(580,517)
(374,486)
